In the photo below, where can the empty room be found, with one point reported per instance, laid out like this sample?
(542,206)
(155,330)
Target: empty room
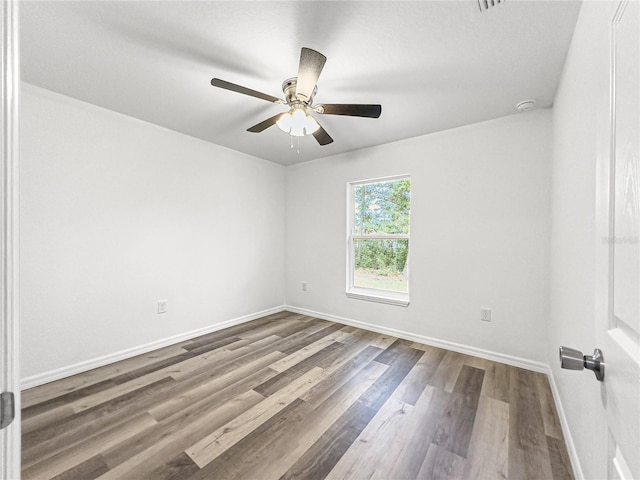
(320,240)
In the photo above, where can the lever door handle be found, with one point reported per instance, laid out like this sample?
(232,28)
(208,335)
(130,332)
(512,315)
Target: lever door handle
(573,359)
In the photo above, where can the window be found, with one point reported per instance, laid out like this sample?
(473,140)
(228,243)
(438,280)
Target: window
(378,240)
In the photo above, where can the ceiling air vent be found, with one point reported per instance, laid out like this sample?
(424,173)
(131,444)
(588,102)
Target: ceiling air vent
(487,4)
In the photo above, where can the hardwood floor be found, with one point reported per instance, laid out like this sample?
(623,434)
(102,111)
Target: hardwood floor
(294,397)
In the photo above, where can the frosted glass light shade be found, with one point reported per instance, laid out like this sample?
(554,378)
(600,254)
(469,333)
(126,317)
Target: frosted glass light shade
(296,122)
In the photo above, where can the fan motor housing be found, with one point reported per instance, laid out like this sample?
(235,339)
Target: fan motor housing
(289,90)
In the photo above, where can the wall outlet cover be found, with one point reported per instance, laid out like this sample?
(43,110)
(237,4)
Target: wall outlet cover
(485,314)
(162,306)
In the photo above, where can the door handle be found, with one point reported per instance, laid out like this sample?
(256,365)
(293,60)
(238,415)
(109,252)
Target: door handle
(573,359)
(7,409)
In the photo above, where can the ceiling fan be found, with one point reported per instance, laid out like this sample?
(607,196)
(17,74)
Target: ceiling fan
(299,93)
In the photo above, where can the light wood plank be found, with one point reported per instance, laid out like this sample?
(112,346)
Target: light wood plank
(528,453)
(489,447)
(323,455)
(204,389)
(229,434)
(84,425)
(420,375)
(302,354)
(446,374)
(370,451)
(549,415)
(46,418)
(70,458)
(289,436)
(371,454)
(339,375)
(55,389)
(442,464)
(178,438)
(203,363)
(405,456)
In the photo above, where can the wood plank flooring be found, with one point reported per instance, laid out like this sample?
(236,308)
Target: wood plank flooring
(295,397)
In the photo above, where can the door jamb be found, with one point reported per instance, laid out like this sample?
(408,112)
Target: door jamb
(9,244)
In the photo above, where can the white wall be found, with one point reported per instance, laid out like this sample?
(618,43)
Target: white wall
(577,130)
(117,214)
(479,234)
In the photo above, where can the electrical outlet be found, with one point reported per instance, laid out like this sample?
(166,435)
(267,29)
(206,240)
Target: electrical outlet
(485,314)
(305,286)
(162,306)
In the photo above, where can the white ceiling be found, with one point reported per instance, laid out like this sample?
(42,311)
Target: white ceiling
(432,65)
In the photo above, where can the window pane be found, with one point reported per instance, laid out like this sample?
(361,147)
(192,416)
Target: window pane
(381,264)
(382,207)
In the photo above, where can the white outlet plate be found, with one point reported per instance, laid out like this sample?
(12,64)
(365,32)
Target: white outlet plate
(485,314)
(162,306)
(305,286)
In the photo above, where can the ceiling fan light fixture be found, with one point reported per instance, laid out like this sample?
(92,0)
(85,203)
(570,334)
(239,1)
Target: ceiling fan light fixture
(299,93)
(297,122)
(311,125)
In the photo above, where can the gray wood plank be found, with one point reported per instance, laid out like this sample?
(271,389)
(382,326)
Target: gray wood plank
(559,459)
(528,452)
(441,464)
(454,430)
(319,359)
(178,468)
(323,455)
(40,408)
(87,470)
(74,430)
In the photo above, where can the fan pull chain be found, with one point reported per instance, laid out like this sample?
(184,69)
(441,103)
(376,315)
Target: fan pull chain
(298,144)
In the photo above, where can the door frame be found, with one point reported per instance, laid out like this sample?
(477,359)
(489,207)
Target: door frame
(9,244)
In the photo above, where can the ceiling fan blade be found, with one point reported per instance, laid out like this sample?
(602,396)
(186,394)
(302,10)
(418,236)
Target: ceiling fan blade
(259,127)
(311,64)
(216,82)
(322,136)
(352,110)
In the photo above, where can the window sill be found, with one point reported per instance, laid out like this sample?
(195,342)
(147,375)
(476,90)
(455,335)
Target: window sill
(400,301)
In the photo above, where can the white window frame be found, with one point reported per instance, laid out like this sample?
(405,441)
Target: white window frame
(372,294)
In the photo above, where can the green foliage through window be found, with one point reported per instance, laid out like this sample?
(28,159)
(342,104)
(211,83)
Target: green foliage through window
(381,212)
(381,264)
(382,207)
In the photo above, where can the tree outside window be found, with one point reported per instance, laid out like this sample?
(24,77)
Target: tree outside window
(379,235)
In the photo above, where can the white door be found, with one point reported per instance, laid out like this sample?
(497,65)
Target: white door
(618,282)
(9,380)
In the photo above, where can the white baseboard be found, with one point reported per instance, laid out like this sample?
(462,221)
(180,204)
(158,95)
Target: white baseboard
(52,375)
(564,424)
(434,342)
